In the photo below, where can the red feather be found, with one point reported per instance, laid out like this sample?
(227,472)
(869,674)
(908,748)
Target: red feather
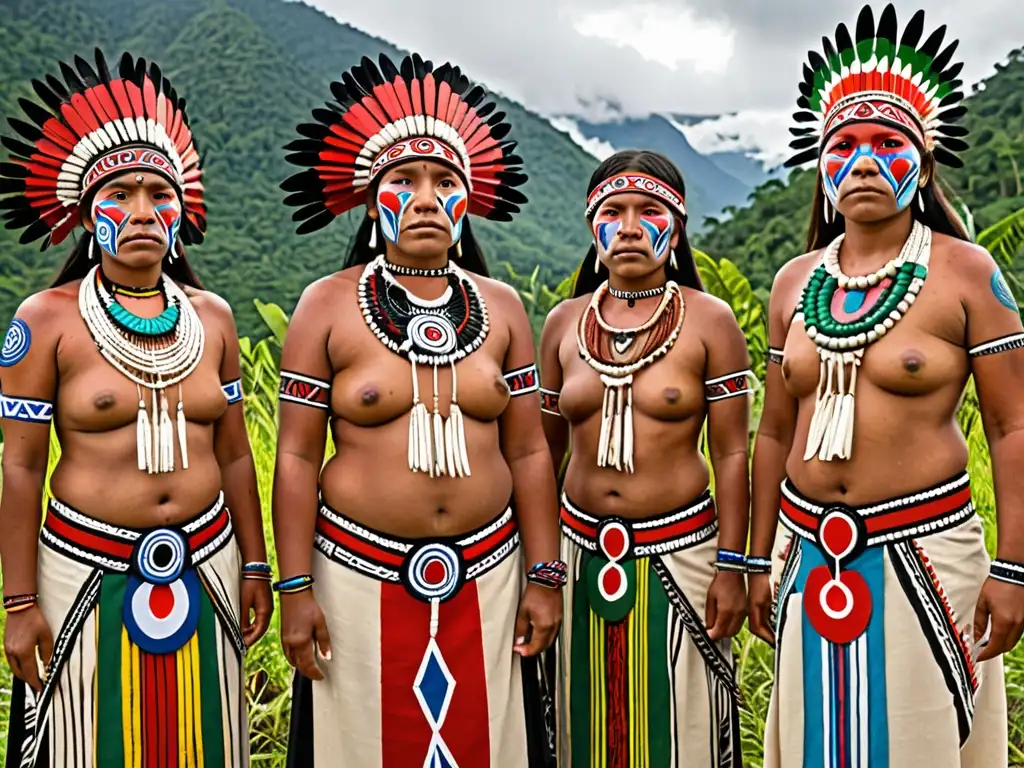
(416,90)
(336,157)
(124,106)
(59,134)
(149,98)
(43,171)
(361,121)
(58,235)
(429,95)
(343,133)
(161,111)
(404,100)
(374,108)
(135,98)
(349,146)
(338,204)
(101,103)
(444,94)
(454,103)
(81,105)
(460,117)
(50,148)
(385,94)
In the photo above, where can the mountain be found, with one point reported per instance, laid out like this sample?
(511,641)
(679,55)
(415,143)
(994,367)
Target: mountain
(764,235)
(251,70)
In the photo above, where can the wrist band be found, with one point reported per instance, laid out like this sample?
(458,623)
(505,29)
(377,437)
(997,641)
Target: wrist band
(551,574)
(727,560)
(1008,571)
(294,584)
(257,571)
(16,603)
(759,565)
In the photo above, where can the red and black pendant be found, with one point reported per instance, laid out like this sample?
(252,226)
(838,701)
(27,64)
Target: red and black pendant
(837,602)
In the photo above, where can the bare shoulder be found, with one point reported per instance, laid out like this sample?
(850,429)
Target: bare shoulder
(794,273)
(41,309)
(330,290)
(209,304)
(969,264)
(705,306)
(499,294)
(565,314)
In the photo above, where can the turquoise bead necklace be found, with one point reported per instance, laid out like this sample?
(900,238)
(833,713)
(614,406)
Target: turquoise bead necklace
(149,327)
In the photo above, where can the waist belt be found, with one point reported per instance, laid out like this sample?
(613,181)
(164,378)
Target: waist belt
(624,539)
(936,509)
(430,569)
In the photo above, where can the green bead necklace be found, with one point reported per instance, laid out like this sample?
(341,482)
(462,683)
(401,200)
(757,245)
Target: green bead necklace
(841,345)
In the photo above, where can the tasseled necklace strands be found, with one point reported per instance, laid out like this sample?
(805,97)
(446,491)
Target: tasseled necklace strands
(154,355)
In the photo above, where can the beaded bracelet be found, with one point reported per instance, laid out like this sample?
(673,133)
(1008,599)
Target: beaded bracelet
(294,584)
(759,565)
(728,560)
(551,574)
(257,571)
(1008,571)
(16,603)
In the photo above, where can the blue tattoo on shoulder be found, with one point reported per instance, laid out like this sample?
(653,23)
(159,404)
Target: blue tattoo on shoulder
(16,343)
(999,287)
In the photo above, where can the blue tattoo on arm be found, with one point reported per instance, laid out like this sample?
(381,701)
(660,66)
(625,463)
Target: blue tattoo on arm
(16,343)
(999,287)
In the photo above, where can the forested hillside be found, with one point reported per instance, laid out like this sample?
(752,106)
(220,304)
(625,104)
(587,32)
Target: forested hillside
(763,236)
(251,70)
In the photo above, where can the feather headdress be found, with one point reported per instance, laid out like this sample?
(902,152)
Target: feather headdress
(91,126)
(877,76)
(391,114)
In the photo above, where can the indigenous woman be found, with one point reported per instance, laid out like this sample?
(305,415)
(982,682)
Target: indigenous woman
(403,559)
(890,619)
(631,366)
(138,600)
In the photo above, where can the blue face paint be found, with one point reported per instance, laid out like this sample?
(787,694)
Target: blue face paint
(901,168)
(16,343)
(109,220)
(605,232)
(169,217)
(659,227)
(455,205)
(391,207)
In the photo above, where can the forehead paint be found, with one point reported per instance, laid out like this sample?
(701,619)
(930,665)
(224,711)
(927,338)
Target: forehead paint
(110,220)
(391,206)
(659,227)
(170,219)
(454,205)
(901,168)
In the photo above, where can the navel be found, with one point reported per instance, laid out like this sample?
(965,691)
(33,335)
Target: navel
(672,395)
(913,361)
(369,396)
(164,498)
(104,400)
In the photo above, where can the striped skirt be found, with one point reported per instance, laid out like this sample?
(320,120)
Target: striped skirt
(643,686)
(422,671)
(875,661)
(147,659)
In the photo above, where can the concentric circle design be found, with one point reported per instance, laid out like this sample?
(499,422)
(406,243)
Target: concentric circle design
(16,343)
(836,585)
(433,334)
(613,539)
(615,542)
(838,534)
(434,572)
(161,556)
(160,618)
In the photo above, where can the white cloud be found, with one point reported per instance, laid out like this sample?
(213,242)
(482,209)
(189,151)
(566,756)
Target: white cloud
(761,133)
(599,149)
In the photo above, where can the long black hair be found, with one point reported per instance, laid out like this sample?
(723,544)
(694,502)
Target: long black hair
(660,167)
(938,214)
(78,265)
(471,260)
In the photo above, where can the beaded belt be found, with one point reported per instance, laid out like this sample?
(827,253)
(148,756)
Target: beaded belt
(621,539)
(430,569)
(155,553)
(836,599)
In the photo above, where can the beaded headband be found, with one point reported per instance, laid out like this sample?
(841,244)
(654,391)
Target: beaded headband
(95,126)
(389,114)
(872,78)
(636,182)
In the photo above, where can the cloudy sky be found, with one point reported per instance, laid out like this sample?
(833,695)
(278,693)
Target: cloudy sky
(691,56)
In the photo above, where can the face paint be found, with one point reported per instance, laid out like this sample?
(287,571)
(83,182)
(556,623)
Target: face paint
(604,233)
(659,227)
(110,220)
(454,205)
(170,219)
(391,206)
(901,167)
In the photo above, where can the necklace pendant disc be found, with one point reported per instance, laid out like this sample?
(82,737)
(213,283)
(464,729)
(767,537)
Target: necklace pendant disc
(621,342)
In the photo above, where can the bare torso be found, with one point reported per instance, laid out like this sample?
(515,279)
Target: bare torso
(95,417)
(368,478)
(668,413)
(906,436)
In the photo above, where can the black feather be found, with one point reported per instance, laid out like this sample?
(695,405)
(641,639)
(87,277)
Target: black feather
(313,131)
(101,66)
(303,180)
(817,63)
(52,100)
(865,24)
(496,118)
(950,73)
(950,99)
(325,116)
(38,229)
(319,221)
(71,78)
(952,130)
(486,109)
(942,60)
(35,113)
(803,102)
(362,76)
(308,211)
(58,88)
(934,42)
(355,91)
(339,93)
(954,145)
(803,142)
(793,131)
(954,114)
(801,158)
(806,89)
(304,198)
(915,28)
(388,68)
(304,145)
(947,158)
(501,130)
(126,66)
(805,117)
(307,159)
(88,74)
(407,70)
(474,96)
(843,40)
(887,26)
(826,46)
(18,148)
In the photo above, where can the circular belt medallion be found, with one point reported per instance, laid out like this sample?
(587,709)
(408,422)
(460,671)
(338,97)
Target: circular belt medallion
(433,334)
(611,571)
(837,602)
(161,556)
(433,572)
(160,618)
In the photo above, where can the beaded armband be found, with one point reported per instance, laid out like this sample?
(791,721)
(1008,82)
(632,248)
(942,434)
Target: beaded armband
(1010,572)
(257,571)
(522,381)
(232,391)
(730,385)
(304,390)
(775,356)
(15,603)
(26,409)
(551,574)
(294,584)
(758,565)
(994,347)
(549,402)
(727,560)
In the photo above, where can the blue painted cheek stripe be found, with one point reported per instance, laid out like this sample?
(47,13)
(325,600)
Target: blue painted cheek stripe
(659,237)
(606,233)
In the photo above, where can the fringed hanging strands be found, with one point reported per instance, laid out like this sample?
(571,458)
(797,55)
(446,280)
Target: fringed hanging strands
(153,356)
(618,354)
(437,332)
(842,340)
